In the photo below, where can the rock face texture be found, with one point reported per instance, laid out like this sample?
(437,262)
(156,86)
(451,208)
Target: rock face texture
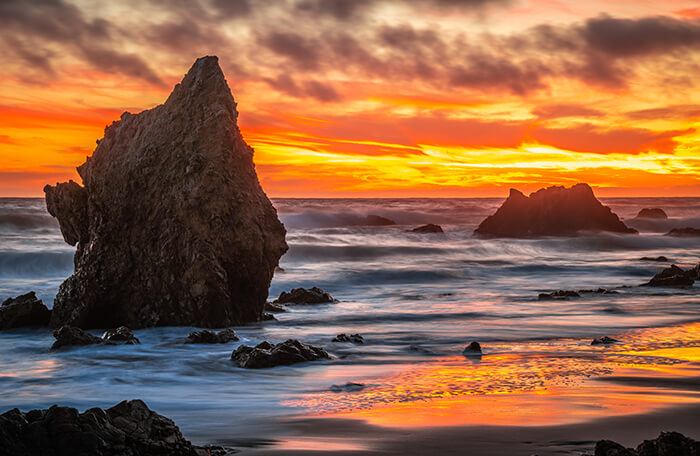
(552,211)
(129,428)
(22,311)
(172,226)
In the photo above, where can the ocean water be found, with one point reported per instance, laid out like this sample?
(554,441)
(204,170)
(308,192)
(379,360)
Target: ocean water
(417,299)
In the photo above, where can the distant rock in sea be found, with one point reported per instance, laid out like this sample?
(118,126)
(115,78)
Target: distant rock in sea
(304,296)
(378,220)
(666,444)
(605,340)
(23,311)
(283,354)
(559,294)
(172,226)
(660,259)
(351,338)
(429,228)
(675,277)
(473,349)
(684,232)
(552,211)
(211,337)
(652,213)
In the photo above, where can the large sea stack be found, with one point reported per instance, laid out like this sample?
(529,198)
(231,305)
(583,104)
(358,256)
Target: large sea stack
(551,211)
(171,226)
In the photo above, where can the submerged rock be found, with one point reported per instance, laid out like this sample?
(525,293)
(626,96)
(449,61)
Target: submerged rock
(303,296)
(652,213)
(172,227)
(667,444)
(559,294)
(605,340)
(70,335)
(23,311)
(473,348)
(129,428)
(121,334)
(352,338)
(285,353)
(660,259)
(684,232)
(674,277)
(349,387)
(552,211)
(429,228)
(211,337)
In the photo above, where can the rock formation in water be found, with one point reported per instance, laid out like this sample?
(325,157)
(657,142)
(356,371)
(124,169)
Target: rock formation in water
(349,338)
(666,444)
(429,228)
(172,226)
(303,296)
(129,428)
(674,277)
(552,211)
(23,311)
(652,213)
(283,354)
(684,232)
(210,337)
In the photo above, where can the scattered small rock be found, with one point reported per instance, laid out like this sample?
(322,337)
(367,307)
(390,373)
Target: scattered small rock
(121,334)
(429,228)
(684,232)
(285,353)
(666,444)
(272,307)
(23,311)
(605,340)
(652,213)
(559,294)
(660,259)
(352,338)
(349,387)
(303,296)
(210,337)
(473,348)
(70,335)
(674,277)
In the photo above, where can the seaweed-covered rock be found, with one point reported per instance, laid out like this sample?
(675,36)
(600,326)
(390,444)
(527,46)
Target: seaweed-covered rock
(429,228)
(129,428)
(121,334)
(211,337)
(285,353)
(652,213)
(70,335)
(22,311)
(172,227)
(552,211)
(304,296)
(674,277)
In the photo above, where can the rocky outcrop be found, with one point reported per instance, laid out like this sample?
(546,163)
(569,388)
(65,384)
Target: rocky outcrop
(70,335)
(429,228)
(303,296)
(652,213)
(559,294)
(283,354)
(129,428)
(552,211)
(23,311)
(121,334)
(674,277)
(605,340)
(667,444)
(684,232)
(211,337)
(349,338)
(172,226)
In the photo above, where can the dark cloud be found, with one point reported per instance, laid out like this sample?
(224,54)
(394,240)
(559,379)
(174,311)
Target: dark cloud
(318,90)
(302,51)
(491,72)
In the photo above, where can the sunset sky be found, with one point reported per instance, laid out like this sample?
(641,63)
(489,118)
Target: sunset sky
(373,97)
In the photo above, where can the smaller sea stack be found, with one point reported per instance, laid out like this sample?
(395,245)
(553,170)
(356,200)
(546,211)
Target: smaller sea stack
(551,211)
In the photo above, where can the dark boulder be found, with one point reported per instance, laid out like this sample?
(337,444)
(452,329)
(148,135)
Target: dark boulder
(23,311)
(70,335)
(285,353)
(269,317)
(652,213)
(172,227)
(211,337)
(605,340)
(610,448)
(351,338)
(429,228)
(559,294)
(552,211)
(121,334)
(303,296)
(667,444)
(684,232)
(129,428)
(674,277)
(473,348)
(660,259)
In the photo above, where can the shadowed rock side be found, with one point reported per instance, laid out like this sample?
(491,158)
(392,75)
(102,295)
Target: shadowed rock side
(172,226)
(552,211)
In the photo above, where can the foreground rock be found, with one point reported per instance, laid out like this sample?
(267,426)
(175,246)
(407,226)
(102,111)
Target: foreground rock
(70,335)
(552,211)
(559,294)
(24,311)
(605,340)
(429,228)
(351,338)
(129,428)
(283,354)
(303,296)
(172,227)
(684,232)
(120,334)
(211,337)
(667,444)
(674,277)
(652,213)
